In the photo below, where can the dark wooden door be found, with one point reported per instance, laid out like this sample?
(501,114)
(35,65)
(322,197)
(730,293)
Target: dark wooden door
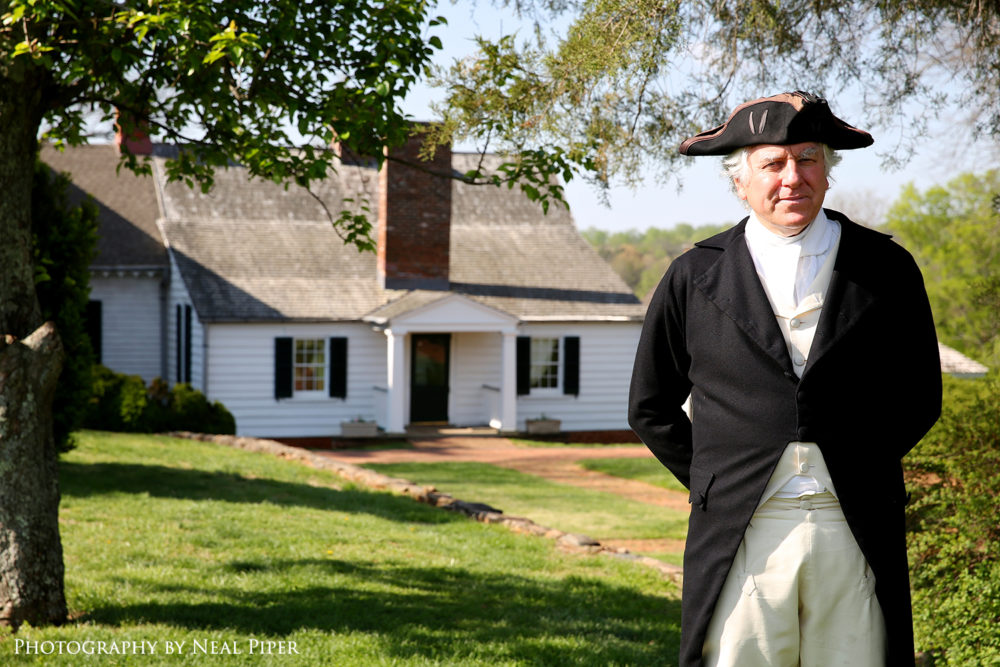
(429,378)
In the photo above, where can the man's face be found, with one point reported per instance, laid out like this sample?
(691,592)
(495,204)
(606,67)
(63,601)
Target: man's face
(786,185)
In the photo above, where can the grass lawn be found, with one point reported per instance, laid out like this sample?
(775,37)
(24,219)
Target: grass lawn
(597,514)
(646,470)
(199,549)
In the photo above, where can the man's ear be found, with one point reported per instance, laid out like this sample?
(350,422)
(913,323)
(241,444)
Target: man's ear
(740,190)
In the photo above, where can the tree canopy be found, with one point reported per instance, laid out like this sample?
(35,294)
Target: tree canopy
(627,81)
(953,231)
(269,85)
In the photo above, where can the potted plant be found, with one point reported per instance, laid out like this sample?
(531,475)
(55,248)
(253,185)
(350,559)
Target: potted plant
(542,425)
(359,427)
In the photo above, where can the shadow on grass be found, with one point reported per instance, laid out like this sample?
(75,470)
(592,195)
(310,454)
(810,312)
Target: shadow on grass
(90,479)
(440,613)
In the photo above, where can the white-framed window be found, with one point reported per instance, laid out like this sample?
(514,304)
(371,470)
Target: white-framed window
(544,368)
(309,365)
(547,365)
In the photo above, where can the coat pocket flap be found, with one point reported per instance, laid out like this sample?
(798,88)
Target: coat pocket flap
(701,482)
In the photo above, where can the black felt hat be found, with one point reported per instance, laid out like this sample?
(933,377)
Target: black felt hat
(788,118)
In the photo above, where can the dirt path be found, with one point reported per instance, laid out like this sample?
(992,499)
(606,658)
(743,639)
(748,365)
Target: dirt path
(557,464)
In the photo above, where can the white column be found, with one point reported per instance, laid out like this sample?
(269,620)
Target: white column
(508,381)
(395,343)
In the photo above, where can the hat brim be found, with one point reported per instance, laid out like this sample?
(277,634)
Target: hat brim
(789,118)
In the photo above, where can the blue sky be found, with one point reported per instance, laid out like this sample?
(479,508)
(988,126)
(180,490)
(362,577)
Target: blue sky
(860,181)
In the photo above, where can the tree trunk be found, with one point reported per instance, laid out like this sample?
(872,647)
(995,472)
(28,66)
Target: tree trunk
(31,567)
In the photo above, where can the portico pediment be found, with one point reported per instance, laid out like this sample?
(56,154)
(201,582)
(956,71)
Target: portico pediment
(428,311)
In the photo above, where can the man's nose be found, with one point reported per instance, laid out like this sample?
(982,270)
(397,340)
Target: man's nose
(791,174)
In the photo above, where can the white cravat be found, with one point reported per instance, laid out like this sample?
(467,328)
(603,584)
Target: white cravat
(787,265)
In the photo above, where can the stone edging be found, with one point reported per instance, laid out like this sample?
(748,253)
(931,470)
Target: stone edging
(481,512)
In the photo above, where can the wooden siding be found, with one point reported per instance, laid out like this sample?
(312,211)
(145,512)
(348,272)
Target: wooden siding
(475,361)
(178,295)
(607,351)
(131,323)
(241,376)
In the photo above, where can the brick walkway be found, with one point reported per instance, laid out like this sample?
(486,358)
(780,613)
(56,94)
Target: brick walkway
(558,464)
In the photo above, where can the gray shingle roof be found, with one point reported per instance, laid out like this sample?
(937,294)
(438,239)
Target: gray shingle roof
(260,270)
(127,206)
(251,250)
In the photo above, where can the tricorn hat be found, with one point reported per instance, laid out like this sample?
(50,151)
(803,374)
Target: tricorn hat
(788,118)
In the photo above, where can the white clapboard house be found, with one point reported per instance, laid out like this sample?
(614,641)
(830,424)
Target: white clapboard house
(477,308)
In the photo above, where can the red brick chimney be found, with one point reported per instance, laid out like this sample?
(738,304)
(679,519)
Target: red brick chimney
(137,141)
(414,218)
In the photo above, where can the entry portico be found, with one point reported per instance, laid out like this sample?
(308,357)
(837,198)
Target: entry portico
(481,347)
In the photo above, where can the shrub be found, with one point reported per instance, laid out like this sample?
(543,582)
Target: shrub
(193,412)
(124,403)
(64,241)
(953,531)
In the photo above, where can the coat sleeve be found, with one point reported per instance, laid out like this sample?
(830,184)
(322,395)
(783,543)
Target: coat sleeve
(660,384)
(916,399)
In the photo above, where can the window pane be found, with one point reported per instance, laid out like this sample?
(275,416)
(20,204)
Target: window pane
(310,364)
(544,372)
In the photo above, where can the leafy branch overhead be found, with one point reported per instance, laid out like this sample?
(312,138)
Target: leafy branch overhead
(269,85)
(629,80)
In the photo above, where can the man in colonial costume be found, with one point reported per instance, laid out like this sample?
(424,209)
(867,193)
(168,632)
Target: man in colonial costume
(806,345)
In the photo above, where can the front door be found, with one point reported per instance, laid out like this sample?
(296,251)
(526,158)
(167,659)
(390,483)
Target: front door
(429,378)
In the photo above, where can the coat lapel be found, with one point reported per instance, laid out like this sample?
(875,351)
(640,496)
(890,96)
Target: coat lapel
(733,286)
(847,299)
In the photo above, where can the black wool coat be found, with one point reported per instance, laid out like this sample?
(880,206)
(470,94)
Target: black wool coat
(870,390)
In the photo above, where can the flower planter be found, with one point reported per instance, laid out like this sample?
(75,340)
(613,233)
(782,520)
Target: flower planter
(543,426)
(358,429)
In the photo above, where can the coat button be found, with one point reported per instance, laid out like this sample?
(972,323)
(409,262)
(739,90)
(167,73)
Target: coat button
(795,323)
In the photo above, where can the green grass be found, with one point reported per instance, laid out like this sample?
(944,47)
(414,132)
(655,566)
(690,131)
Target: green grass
(646,470)
(177,541)
(597,514)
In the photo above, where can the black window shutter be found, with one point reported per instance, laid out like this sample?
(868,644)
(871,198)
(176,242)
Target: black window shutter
(338,367)
(282,368)
(571,365)
(180,341)
(187,344)
(92,323)
(523,365)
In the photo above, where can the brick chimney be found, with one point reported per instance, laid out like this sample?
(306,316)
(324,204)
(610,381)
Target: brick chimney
(414,219)
(136,141)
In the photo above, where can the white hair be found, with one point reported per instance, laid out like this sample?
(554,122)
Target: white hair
(737,163)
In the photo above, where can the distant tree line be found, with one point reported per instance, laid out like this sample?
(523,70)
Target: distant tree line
(641,257)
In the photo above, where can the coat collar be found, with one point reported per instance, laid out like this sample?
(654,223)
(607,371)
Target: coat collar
(849,296)
(732,284)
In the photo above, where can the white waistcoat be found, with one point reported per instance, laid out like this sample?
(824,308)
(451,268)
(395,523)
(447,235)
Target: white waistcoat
(801,469)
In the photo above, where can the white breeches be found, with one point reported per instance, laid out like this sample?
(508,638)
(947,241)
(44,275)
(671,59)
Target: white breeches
(799,593)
